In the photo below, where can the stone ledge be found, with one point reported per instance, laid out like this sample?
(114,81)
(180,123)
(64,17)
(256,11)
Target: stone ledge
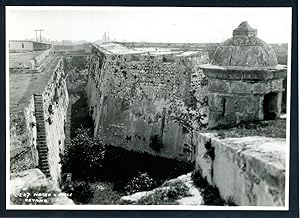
(249,170)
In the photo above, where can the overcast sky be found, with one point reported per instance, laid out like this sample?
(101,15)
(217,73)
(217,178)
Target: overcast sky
(164,24)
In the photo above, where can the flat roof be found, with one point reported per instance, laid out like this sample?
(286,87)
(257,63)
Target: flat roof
(115,48)
(30,41)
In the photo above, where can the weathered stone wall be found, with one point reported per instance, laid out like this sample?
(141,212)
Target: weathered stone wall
(249,171)
(236,101)
(23,151)
(23,132)
(56,102)
(137,99)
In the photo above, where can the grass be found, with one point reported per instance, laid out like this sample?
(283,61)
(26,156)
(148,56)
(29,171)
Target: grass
(270,128)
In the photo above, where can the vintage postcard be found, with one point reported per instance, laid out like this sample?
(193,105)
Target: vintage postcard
(140,108)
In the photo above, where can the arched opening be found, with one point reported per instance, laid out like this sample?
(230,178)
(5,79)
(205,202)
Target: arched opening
(270,106)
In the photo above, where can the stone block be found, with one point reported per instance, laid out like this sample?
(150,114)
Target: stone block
(215,102)
(277,85)
(217,85)
(242,108)
(261,87)
(240,87)
(216,119)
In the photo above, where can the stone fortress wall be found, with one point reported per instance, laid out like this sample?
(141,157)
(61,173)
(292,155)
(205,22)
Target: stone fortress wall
(139,97)
(36,152)
(159,101)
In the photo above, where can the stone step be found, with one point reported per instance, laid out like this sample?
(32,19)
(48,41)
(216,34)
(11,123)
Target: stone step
(42,132)
(44,161)
(43,147)
(47,170)
(41,142)
(44,168)
(43,150)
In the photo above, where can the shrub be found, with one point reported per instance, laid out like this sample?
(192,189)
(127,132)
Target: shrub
(84,155)
(83,192)
(142,182)
(104,194)
(168,194)
(156,143)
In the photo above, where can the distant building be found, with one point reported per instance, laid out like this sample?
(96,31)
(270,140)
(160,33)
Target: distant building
(26,45)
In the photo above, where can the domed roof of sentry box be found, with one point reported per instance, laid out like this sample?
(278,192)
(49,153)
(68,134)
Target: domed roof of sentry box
(244,49)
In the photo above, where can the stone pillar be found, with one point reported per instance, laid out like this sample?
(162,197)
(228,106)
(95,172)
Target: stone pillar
(245,80)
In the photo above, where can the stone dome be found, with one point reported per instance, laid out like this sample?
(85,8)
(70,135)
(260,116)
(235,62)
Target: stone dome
(244,49)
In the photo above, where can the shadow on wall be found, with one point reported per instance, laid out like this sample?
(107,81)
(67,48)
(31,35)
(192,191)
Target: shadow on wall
(79,115)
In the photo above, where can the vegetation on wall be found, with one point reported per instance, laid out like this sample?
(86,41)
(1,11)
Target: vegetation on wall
(156,143)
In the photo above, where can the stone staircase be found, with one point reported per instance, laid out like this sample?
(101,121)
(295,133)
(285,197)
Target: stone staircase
(41,135)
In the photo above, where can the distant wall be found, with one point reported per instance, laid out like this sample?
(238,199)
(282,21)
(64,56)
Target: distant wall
(24,46)
(136,100)
(20,46)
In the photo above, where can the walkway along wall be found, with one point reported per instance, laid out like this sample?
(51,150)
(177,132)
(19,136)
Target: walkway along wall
(48,143)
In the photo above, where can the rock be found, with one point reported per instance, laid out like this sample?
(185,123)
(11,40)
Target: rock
(33,179)
(194,199)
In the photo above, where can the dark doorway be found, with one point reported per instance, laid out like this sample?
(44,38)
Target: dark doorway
(270,106)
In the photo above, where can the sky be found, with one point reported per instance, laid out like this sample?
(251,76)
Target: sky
(151,24)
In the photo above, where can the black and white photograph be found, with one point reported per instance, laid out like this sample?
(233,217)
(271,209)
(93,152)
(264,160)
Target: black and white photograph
(141,108)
